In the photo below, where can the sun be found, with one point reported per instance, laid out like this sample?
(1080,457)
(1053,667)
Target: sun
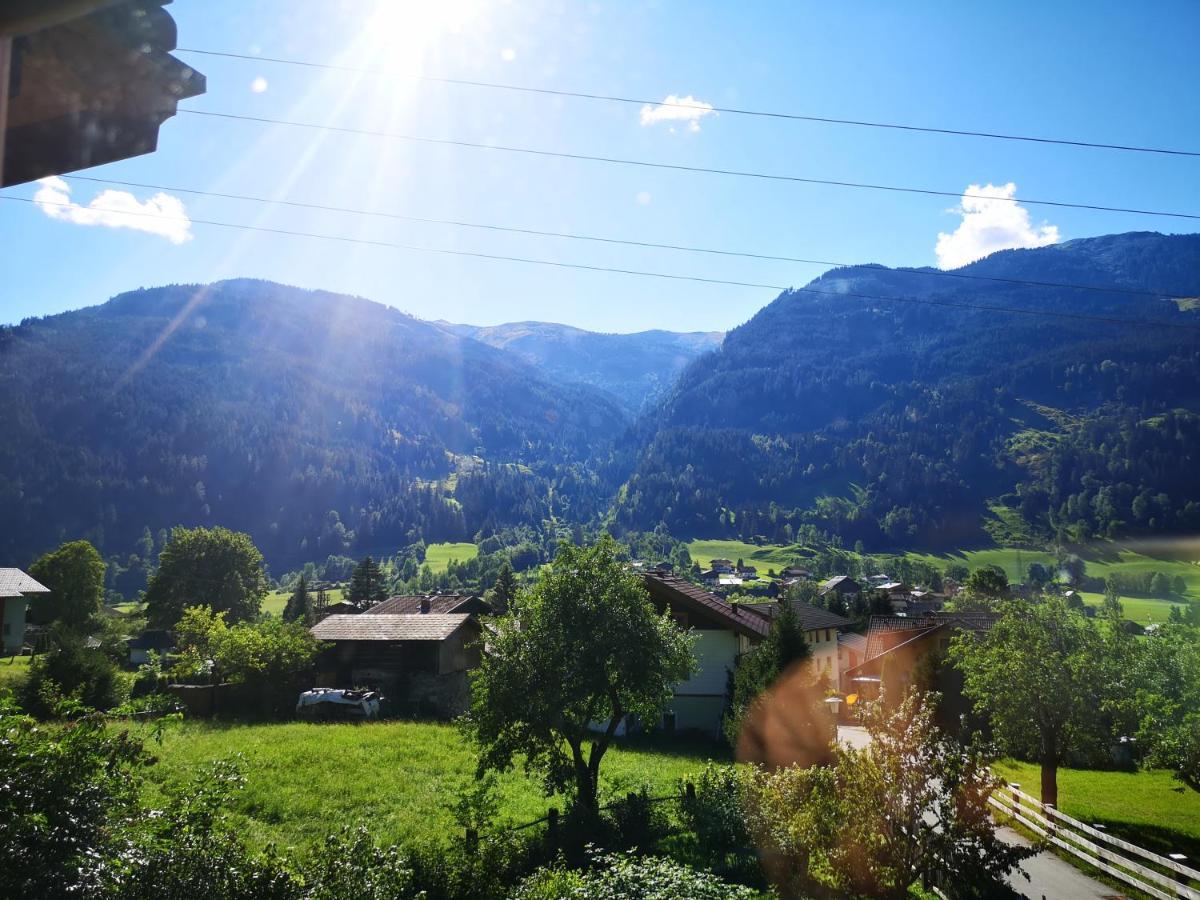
(403,33)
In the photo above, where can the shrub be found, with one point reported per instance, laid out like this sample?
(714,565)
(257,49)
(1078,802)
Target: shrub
(72,670)
(617,876)
(716,814)
(64,790)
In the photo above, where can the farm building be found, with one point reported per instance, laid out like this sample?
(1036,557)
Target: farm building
(418,660)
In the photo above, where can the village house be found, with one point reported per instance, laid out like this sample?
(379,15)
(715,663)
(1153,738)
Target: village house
(419,659)
(16,589)
(901,649)
(852,650)
(842,585)
(820,627)
(724,631)
(724,566)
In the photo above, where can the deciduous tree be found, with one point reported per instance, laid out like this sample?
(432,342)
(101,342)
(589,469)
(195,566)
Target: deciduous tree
(212,567)
(583,650)
(1041,677)
(75,575)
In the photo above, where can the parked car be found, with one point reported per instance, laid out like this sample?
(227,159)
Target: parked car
(333,703)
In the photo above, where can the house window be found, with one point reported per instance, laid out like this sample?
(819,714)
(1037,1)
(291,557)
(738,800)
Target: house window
(827,637)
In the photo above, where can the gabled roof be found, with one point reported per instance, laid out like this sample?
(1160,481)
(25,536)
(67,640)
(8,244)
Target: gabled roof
(14,583)
(881,632)
(812,618)
(389,627)
(674,591)
(838,581)
(438,603)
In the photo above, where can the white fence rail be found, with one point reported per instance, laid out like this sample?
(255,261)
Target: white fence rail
(1084,841)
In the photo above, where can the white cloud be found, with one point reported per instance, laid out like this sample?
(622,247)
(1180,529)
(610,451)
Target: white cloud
(678,109)
(991,221)
(259,84)
(162,214)
(508,54)
(643,198)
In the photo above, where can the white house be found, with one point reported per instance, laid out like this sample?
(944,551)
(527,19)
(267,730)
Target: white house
(15,589)
(821,628)
(724,631)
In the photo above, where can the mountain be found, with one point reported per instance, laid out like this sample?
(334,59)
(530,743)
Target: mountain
(961,406)
(635,368)
(319,423)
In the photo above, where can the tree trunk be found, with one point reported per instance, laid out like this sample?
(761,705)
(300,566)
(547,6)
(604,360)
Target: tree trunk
(1050,781)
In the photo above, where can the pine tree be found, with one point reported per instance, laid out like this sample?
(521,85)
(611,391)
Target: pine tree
(758,669)
(299,606)
(504,590)
(366,585)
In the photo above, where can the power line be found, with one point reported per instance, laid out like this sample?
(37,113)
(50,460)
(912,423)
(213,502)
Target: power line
(933,273)
(1110,320)
(766,114)
(677,167)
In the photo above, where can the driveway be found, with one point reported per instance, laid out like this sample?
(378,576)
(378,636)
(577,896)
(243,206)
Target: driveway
(1050,878)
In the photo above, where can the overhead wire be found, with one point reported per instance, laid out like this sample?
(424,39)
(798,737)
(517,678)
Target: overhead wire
(627,242)
(677,167)
(727,110)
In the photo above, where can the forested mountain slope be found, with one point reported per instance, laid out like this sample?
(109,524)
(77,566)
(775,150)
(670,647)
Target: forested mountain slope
(900,422)
(636,368)
(319,423)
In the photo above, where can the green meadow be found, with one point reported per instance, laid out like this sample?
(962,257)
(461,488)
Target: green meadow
(438,556)
(304,780)
(767,556)
(1149,807)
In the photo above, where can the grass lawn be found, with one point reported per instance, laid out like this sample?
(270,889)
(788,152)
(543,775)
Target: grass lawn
(13,671)
(438,556)
(304,779)
(1150,808)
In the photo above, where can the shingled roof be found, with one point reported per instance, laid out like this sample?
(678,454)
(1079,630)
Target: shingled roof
(812,618)
(14,583)
(438,603)
(389,627)
(882,630)
(675,591)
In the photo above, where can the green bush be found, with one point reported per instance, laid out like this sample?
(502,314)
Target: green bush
(65,789)
(70,670)
(716,814)
(619,876)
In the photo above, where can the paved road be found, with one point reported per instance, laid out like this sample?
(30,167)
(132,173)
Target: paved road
(1049,877)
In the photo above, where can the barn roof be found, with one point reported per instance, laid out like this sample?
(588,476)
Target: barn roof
(389,627)
(438,603)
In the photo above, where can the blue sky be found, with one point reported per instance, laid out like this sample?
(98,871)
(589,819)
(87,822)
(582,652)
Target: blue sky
(1111,72)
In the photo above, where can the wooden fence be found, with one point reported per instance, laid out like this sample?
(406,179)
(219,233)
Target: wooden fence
(1149,872)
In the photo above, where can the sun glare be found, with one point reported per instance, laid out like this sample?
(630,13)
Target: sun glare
(403,33)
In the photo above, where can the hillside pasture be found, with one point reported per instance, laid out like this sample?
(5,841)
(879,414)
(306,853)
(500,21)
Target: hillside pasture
(438,556)
(304,780)
(766,556)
